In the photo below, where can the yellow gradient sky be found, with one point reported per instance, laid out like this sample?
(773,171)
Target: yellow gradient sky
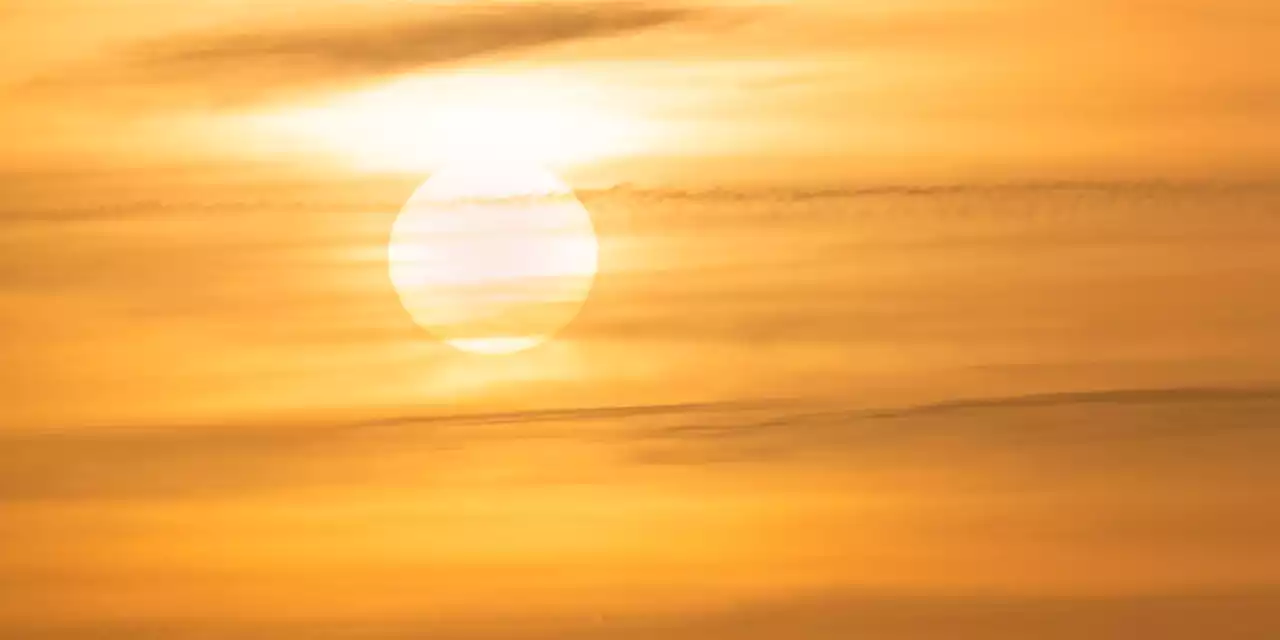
(910,320)
(788,92)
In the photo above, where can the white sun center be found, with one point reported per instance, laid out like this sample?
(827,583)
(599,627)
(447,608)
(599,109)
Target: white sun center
(493,259)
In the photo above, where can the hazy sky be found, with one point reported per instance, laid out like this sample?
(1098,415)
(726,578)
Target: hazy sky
(913,320)
(811,91)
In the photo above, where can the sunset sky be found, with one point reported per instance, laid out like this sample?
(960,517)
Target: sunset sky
(887,320)
(779,92)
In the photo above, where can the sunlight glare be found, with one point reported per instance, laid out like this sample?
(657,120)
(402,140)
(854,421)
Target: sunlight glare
(493,258)
(424,123)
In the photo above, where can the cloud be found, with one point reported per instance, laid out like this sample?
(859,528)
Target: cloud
(960,495)
(268,63)
(1240,614)
(908,615)
(236,459)
(1137,419)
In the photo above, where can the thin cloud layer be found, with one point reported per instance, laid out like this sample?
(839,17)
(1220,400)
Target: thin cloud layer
(227,460)
(844,612)
(275,62)
(358,528)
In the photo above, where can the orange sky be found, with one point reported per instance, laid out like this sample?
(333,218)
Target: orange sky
(942,318)
(799,92)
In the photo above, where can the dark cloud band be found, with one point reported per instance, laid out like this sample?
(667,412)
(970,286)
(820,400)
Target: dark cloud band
(337,51)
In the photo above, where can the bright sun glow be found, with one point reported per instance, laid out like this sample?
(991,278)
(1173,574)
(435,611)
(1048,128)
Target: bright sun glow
(421,124)
(493,258)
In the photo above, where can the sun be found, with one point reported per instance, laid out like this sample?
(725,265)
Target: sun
(493,258)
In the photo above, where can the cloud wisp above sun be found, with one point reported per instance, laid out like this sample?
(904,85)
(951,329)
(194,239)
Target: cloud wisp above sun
(330,51)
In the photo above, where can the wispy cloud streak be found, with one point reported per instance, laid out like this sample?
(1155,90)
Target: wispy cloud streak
(276,62)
